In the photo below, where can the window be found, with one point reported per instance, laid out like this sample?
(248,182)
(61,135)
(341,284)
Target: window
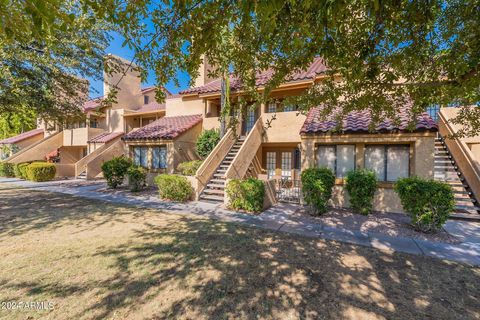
(389,163)
(159,157)
(288,107)
(93,123)
(272,107)
(340,158)
(271,164)
(286,165)
(145,99)
(140,156)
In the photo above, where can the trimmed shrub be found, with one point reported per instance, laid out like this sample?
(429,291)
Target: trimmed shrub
(317,186)
(206,141)
(40,171)
(246,195)
(361,186)
(6,169)
(189,168)
(174,187)
(115,170)
(428,202)
(20,170)
(136,178)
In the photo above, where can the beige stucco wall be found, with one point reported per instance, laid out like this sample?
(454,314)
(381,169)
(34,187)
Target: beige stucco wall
(184,106)
(28,142)
(115,121)
(79,136)
(38,150)
(185,146)
(128,82)
(284,126)
(422,148)
(70,155)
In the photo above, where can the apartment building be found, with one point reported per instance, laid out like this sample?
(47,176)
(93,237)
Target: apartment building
(80,147)
(272,141)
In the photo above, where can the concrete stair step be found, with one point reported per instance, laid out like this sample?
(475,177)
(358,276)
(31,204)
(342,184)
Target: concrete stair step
(219,175)
(213,191)
(459,200)
(465,216)
(217,181)
(216,185)
(467,207)
(211,198)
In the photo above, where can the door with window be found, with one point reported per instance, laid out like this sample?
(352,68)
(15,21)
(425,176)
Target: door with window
(250,119)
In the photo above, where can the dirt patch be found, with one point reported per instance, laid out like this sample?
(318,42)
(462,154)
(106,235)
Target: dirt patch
(391,224)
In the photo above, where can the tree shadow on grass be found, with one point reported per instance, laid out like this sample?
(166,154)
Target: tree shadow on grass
(182,267)
(206,269)
(21,212)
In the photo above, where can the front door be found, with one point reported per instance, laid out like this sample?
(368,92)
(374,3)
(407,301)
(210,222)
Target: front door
(249,122)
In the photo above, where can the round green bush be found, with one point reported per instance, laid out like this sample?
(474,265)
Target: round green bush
(207,141)
(40,171)
(428,203)
(189,168)
(136,178)
(174,187)
(246,195)
(317,187)
(361,186)
(7,169)
(114,170)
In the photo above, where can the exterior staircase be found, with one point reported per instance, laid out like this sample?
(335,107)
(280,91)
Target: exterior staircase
(466,206)
(215,189)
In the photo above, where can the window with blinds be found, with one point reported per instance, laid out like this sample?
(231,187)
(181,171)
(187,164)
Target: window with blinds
(159,157)
(389,162)
(338,158)
(140,156)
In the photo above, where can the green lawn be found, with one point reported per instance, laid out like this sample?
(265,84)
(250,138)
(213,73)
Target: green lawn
(95,260)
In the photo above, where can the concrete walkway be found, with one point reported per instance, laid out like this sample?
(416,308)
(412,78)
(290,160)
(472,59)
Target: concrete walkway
(279,218)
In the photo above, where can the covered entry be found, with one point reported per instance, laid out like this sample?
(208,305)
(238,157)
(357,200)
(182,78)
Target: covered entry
(281,163)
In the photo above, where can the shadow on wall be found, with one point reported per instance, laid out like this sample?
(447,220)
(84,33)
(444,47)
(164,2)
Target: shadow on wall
(176,267)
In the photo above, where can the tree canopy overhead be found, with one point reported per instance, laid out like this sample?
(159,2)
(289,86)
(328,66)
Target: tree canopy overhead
(47,48)
(383,50)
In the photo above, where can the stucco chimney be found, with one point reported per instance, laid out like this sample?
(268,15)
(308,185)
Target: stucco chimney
(123,76)
(203,70)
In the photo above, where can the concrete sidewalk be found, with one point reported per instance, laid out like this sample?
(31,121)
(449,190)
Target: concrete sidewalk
(279,218)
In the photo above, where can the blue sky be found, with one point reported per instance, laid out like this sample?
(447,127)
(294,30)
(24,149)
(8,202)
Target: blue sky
(96,86)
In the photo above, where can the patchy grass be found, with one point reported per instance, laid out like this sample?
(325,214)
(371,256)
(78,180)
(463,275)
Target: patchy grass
(95,260)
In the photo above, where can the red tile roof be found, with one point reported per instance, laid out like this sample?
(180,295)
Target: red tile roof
(316,68)
(92,104)
(166,128)
(360,122)
(22,136)
(105,137)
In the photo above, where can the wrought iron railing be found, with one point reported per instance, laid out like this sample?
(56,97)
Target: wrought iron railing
(288,190)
